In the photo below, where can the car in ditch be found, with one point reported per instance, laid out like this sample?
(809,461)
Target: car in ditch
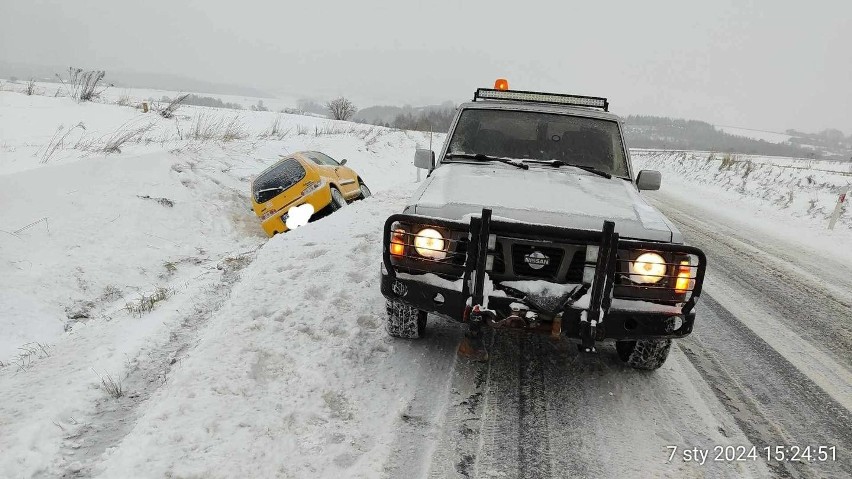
(305,177)
(532,219)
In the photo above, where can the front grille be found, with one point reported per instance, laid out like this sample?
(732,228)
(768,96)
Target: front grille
(551,256)
(460,252)
(499,261)
(575,269)
(460,257)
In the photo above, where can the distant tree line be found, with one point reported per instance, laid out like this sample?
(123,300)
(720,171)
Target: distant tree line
(434,118)
(425,120)
(830,139)
(668,133)
(197,100)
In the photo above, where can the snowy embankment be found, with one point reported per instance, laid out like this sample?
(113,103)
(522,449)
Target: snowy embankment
(801,188)
(85,231)
(113,253)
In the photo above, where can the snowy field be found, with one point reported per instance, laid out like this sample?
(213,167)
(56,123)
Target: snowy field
(129,257)
(770,136)
(137,95)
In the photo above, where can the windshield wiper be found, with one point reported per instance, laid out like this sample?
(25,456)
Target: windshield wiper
(481,157)
(558,163)
(277,188)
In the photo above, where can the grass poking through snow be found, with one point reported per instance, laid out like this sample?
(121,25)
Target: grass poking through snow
(147,302)
(110,385)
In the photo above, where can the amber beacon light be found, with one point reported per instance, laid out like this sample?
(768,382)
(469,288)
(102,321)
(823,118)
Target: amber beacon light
(501,84)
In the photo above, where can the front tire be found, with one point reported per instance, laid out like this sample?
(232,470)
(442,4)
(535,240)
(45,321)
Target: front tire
(645,354)
(337,200)
(404,321)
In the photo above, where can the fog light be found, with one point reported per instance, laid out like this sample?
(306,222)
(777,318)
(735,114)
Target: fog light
(684,277)
(397,245)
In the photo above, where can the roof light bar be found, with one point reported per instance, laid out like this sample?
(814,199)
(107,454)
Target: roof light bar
(537,97)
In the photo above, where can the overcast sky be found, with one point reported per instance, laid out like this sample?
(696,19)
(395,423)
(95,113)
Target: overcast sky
(758,64)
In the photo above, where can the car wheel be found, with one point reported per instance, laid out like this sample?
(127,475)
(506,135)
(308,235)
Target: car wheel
(337,200)
(404,321)
(365,192)
(647,354)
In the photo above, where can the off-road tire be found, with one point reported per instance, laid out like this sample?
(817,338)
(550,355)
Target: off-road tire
(337,200)
(365,192)
(647,354)
(403,321)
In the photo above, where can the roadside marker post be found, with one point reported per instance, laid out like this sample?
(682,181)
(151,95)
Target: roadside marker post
(837,208)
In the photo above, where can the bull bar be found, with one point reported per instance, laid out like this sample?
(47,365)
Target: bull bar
(590,312)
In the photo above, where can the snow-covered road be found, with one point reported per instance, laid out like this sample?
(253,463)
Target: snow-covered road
(767,365)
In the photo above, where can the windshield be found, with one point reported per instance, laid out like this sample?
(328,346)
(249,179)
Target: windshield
(535,135)
(275,180)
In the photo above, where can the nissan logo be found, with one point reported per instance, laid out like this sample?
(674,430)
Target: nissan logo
(537,260)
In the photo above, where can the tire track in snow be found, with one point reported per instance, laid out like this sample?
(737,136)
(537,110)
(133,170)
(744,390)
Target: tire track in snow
(774,345)
(534,440)
(546,410)
(771,400)
(114,418)
(812,302)
(516,439)
(433,360)
(458,437)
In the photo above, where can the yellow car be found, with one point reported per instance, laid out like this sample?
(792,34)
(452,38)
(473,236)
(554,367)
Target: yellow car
(306,177)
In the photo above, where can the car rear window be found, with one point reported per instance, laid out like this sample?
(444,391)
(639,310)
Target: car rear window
(280,177)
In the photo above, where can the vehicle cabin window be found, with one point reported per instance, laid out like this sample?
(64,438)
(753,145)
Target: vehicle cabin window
(520,134)
(322,159)
(277,179)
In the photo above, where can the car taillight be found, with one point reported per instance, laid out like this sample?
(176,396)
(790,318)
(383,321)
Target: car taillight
(397,244)
(311,186)
(267,215)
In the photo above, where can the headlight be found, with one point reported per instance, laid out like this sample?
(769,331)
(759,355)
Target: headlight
(648,268)
(430,244)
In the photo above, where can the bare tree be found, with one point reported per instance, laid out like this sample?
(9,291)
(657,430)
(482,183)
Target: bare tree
(341,108)
(30,87)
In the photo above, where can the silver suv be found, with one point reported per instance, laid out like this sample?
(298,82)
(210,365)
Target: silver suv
(532,219)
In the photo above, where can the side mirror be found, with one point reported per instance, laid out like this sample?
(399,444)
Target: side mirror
(424,159)
(649,180)
(343,162)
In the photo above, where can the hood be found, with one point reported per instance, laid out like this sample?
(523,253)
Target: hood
(564,197)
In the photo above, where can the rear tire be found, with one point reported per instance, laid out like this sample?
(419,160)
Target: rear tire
(337,200)
(404,321)
(646,354)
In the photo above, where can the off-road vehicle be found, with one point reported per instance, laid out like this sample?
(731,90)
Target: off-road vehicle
(532,219)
